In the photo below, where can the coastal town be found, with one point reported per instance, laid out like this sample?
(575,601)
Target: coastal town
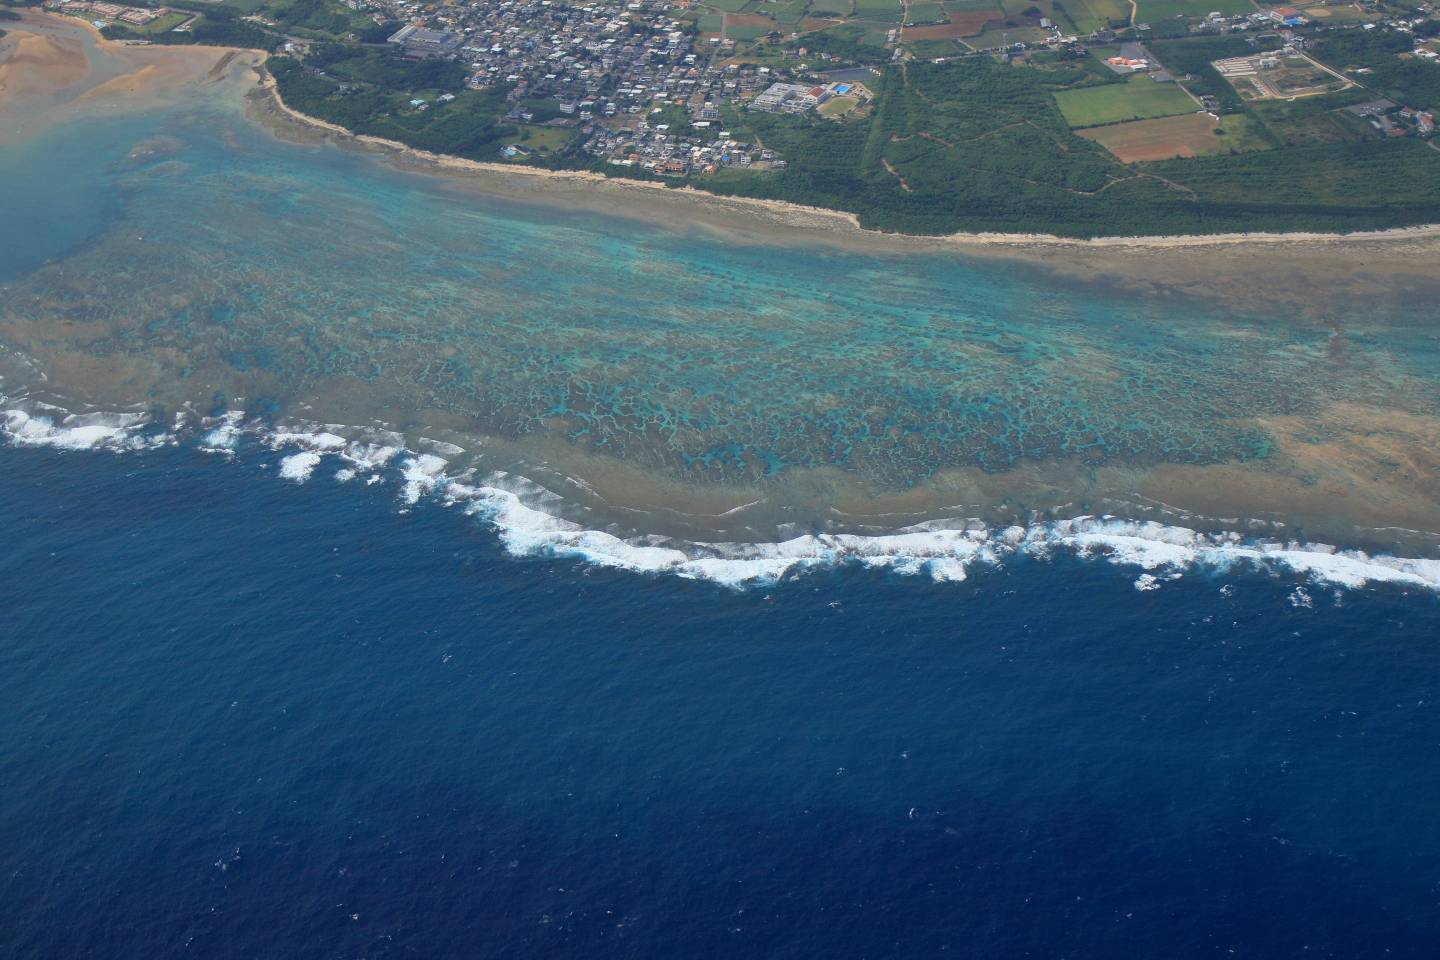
(914,115)
(633,79)
(665,88)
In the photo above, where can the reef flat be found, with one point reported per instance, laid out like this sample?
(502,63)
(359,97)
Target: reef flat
(682,366)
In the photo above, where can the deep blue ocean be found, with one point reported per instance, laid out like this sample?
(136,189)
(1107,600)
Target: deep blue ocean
(249,718)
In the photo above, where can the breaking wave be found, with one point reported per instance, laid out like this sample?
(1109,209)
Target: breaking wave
(526,516)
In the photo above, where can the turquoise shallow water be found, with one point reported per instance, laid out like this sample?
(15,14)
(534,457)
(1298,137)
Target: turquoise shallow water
(251,717)
(181,254)
(717,360)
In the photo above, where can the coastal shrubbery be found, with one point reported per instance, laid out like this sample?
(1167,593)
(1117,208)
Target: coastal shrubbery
(382,68)
(975,145)
(217,27)
(318,16)
(853,42)
(970,144)
(1411,82)
(380,105)
(1193,57)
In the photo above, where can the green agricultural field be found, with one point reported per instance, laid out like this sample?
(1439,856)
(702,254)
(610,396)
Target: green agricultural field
(1138,98)
(545,139)
(727,6)
(1151,10)
(999,35)
(928,11)
(878,10)
(242,7)
(934,49)
(1016,9)
(164,22)
(822,8)
(746,32)
(852,41)
(710,23)
(1241,134)
(789,13)
(1060,14)
(1091,15)
(317,19)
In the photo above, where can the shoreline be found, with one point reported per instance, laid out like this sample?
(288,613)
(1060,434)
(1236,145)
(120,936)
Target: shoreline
(849,220)
(830,498)
(790,214)
(793,212)
(533,520)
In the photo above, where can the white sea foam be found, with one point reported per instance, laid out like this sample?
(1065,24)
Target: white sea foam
(222,433)
(84,431)
(1161,551)
(421,473)
(529,522)
(299,466)
(442,447)
(364,456)
(322,440)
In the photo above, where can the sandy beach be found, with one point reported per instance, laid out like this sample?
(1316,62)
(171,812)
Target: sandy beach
(1310,273)
(1334,467)
(54,64)
(798,215)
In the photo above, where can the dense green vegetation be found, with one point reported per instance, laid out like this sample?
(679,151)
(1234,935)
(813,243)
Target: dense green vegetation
(1152,10)
(970,144)
(1194,56)
(384,68)
(218,27)
(850,41)
(221,24)
(1410,82)
(1312,119)
(317,17)
(1380,174)
(369,91)
(974,145)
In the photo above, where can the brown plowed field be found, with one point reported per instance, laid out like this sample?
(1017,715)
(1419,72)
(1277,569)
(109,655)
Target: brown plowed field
(1165,138)
(966,23)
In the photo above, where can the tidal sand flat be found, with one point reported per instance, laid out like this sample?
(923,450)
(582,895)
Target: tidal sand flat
(677,367)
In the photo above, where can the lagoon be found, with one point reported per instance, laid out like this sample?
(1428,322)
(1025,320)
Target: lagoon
(172,246)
